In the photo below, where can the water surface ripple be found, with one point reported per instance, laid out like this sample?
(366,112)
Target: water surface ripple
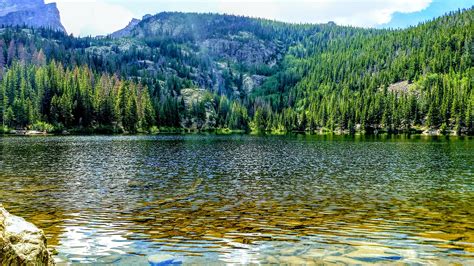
(245,199)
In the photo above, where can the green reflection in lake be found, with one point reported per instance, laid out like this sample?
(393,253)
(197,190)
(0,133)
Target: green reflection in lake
(245,199)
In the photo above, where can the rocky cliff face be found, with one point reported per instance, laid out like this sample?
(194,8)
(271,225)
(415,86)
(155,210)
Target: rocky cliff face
(219,53)
(198,99)
(32,13)
(222,38)
(127,30)
(21,243)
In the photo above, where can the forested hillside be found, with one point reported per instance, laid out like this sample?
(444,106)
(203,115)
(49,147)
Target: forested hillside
(208,72)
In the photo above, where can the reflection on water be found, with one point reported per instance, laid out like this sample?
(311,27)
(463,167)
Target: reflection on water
(244,199)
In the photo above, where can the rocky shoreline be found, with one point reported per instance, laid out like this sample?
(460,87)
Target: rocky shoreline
(21,242)
(27,132)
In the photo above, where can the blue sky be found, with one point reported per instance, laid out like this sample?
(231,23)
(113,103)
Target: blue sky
(99,17)
(435,9)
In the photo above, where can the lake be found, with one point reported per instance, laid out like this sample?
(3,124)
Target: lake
(245,199)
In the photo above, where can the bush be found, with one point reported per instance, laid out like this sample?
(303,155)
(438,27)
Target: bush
(43,127)
(4,129)
(154,130)
(444,129)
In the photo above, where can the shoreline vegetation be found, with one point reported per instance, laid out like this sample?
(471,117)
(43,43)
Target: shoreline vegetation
(323,78)
(35,131)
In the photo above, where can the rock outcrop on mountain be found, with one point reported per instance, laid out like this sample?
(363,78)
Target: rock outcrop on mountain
(21,243)
(32,13)
(127,30)
(254,74)
(216,52)
(224,38)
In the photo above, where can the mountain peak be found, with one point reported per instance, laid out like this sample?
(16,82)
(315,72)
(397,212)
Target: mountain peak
(32,13)
(127,30)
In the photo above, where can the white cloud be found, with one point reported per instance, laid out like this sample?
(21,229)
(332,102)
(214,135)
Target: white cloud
(105,16)
(92,17)
(365,13)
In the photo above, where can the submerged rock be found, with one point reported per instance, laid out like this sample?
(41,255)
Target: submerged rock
(163,260)
(21,243)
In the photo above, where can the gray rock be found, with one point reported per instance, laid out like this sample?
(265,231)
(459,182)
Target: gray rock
(252,82)
(21,243)
(127,30)
(32,13)
(163,260)
(9,6)
(195,96)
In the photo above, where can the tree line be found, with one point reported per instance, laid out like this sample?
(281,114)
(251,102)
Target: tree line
(330,78)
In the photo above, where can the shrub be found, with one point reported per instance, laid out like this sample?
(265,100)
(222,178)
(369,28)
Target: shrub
(4,129)
(154,130)
(43,127)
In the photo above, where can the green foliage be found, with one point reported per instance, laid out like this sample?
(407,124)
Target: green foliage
(317,77)
(52,96)
(4,130)
(353,82)
(43,127)
(154,130)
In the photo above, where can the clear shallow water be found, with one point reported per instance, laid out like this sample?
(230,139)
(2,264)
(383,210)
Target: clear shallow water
(245,199)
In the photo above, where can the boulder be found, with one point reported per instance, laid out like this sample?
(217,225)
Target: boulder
(21,243)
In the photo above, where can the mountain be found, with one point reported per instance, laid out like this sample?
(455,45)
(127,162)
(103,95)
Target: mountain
(33,13)
(210,71)
(127,31)
(234,38)
(211,49)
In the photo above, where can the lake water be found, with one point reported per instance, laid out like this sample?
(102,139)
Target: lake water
(245,199)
